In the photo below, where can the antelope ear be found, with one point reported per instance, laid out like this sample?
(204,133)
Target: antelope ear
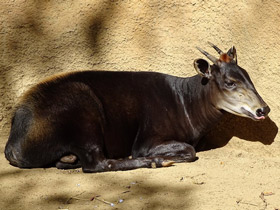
(232,54)
(202,67)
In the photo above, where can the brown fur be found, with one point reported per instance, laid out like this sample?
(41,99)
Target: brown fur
(95,120)
(225,58)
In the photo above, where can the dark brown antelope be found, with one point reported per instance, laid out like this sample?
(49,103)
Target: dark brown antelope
(96,119)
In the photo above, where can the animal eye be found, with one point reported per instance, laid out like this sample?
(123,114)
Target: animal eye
(229,84)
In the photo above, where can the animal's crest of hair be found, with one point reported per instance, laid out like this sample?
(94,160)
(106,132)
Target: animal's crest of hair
(225,58)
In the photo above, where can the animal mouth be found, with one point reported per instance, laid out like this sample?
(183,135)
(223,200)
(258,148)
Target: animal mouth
(252,116)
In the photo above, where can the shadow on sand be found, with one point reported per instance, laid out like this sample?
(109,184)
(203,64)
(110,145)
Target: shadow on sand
(244,128)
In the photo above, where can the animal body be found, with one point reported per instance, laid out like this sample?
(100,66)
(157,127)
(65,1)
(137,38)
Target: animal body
(96,119)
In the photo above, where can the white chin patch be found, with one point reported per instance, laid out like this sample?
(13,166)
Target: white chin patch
(252,114)
(247,111)
(236,112)
(242,112)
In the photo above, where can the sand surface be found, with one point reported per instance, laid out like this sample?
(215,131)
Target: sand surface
(241,175)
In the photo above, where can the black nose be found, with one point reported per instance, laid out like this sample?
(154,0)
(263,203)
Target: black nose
(263,111)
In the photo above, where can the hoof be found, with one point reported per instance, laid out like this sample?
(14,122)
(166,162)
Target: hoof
(153,165)
(167,163)
(69,159)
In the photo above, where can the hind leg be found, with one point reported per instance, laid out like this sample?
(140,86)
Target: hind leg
(90,158)
(87,145)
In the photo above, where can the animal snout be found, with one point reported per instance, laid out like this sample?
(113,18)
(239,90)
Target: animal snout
(263,112)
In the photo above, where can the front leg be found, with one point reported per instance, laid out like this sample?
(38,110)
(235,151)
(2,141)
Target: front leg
(161,155)
(171,151)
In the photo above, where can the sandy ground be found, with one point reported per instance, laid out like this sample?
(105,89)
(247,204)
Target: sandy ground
(243,174)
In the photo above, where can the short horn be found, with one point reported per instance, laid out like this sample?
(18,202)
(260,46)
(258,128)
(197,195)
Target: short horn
(210,57)
(216,48)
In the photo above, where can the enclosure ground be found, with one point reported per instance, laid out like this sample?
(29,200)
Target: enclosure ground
(240,175)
